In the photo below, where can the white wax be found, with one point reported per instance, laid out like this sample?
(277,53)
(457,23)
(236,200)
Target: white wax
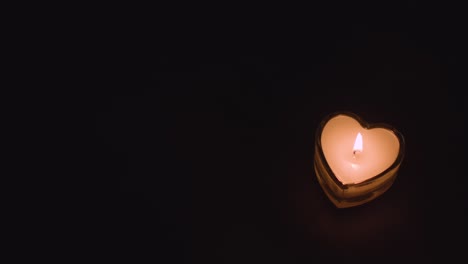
(380,148)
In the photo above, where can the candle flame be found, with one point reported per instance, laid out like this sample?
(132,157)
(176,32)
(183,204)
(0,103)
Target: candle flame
(358,143)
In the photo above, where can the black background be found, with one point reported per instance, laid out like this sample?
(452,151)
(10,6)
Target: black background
(206,129)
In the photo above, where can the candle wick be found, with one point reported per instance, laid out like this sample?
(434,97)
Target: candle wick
(354,153)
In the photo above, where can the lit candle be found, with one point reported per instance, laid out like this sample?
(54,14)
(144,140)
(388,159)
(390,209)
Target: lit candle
(356,162)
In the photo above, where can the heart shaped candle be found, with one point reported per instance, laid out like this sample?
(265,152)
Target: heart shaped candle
(356,162)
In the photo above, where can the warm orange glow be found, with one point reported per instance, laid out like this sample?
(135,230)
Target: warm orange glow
(343,146)
(358,143)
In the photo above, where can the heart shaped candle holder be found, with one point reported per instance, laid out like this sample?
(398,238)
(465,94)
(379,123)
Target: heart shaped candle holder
(355,162)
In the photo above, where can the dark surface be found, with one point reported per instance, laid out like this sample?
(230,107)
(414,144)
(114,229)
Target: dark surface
(206,153)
